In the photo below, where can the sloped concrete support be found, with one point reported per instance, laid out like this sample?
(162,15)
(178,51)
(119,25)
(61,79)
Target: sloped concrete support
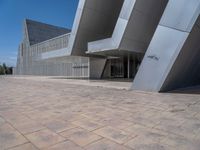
(186,69)
(96,67)
(168,42)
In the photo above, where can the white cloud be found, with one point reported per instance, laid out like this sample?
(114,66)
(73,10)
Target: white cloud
(10,60)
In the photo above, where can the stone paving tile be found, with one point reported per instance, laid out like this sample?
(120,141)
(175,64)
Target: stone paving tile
(113,134)
(93,116)
(105,117)
(115,123)
(58,125)
(145,120)
(143,143)
(139,130)
(9,137)
(27,146)
(80,136)
(28,127)
(181,143)
(70,117)
(187,127)
(191,124)
(14,117)
(105,144)
(67,145)
(71,131)
(87,124)
(2,121)
(197,136)
(44,138)
(135,129)
(36,114)
(197,116)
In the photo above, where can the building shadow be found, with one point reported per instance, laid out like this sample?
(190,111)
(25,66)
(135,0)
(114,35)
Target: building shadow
(189,90)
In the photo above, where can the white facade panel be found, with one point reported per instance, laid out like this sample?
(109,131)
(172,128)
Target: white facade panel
(162,52)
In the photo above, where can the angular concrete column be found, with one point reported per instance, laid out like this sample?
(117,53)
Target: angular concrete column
(168,41)
(96,67)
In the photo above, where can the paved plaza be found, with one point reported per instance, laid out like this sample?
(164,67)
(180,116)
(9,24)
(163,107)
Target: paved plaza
(61,114)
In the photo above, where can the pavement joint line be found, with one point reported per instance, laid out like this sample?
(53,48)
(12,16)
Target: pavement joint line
(28,141)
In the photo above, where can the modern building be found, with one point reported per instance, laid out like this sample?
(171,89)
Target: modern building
(40,38)
(154,42)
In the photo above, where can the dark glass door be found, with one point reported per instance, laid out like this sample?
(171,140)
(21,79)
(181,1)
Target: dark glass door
(117,68)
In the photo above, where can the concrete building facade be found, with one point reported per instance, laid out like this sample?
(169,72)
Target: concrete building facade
(153,42)
(40,38)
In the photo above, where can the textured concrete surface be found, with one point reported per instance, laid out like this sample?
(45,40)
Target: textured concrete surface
(55,114)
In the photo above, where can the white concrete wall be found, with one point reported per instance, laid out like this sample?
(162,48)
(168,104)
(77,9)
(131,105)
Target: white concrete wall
(174,29)
(29,63)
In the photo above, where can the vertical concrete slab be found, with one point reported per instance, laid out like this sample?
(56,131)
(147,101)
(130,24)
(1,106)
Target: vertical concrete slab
(170,36)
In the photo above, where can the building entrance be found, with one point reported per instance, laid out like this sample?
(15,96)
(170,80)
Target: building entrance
(121,67)
(117,68)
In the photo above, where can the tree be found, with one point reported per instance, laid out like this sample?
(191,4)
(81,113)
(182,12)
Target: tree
(4,69)
(1,70)
(9,70)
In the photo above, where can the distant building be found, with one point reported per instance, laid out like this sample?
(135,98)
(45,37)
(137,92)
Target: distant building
(154,42)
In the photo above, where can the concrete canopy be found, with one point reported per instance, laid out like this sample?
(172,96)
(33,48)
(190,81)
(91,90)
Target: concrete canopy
(134,29)
(94,20)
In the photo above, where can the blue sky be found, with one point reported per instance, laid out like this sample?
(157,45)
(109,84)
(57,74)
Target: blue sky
(13,12)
